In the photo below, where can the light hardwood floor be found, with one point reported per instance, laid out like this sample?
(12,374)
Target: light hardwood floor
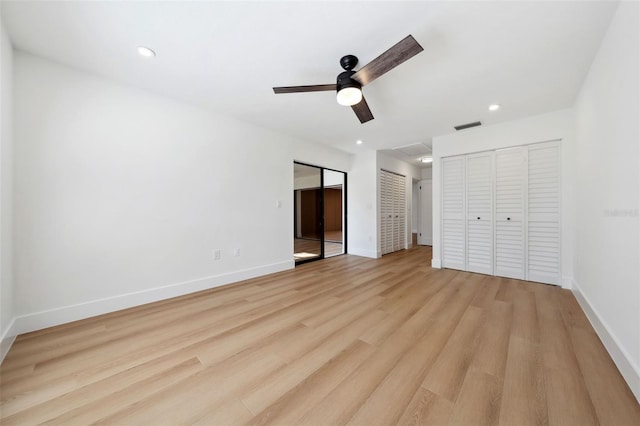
(344,340)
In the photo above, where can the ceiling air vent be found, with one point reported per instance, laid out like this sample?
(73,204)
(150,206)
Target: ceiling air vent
(468,125)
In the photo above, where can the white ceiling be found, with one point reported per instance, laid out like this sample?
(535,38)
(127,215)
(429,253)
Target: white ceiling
(530,57)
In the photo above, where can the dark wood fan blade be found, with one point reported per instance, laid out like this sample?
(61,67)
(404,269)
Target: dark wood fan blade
(406,49)
(297,89)
(362,111)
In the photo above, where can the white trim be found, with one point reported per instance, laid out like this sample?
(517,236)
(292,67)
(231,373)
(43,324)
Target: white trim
(8,338)
(364,253)
(436,263)
(567,283)
(53,317)
(630,372)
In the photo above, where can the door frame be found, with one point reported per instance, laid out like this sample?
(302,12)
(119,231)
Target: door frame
(344,214)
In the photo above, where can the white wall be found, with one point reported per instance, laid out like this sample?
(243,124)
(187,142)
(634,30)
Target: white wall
(607,276)
(425,206)
(122,195)
(362,214)
(6,191)
(426,173)
(411,172)
(556,125)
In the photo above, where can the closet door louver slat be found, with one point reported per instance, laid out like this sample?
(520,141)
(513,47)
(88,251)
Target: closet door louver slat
(509,213)
(543,231)
(480,213)
(453,209)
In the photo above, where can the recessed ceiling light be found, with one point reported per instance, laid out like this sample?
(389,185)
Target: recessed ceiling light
(146,52)
(494,107)
(359,142)
(426,159)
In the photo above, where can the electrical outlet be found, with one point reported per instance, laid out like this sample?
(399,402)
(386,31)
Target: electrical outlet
(216,254)
(236,252)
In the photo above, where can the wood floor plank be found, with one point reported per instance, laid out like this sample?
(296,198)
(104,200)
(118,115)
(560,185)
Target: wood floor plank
(568,399)
(286,378)
(347,339)
(194,393)
(490,286)
(613,401)
(388,401)
(428,409)
(85,395)
(402,312)
(408,373)
(479,400)
(339,406)
(85,361)
(97,410)
(523,394)
(450,368)
(233,412)
(493,344)
(289,408)
(525,316)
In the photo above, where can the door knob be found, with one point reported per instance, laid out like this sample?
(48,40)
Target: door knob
(478,217)
(508,218)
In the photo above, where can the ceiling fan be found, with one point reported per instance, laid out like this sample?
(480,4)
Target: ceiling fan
(349,83)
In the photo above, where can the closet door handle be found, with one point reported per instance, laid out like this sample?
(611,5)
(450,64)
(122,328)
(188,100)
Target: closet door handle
(478,217)
(508,218)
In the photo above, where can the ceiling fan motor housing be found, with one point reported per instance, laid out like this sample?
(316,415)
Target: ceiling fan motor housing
(348,63)
(344,80)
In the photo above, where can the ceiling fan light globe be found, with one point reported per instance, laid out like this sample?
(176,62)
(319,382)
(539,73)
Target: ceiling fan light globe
(349,96)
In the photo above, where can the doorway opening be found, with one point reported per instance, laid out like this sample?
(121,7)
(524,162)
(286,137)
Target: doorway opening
(319,200)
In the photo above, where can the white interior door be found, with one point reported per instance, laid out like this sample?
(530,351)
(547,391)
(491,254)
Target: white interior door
(386,211)
(453,210)
(543,213)
(399,208)
(393,221)
(479,197)
(511,173)
(425,216)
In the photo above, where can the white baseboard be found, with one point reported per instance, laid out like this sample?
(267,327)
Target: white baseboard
(567,283)
(53,317)
(436,263)
(362,252)
(630,372)
(8,338)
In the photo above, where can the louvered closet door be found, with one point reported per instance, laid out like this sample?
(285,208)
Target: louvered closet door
(453,209)
(480,213)
(399,213)
(511,173)
(383,212)
(386,212)
(543,230)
